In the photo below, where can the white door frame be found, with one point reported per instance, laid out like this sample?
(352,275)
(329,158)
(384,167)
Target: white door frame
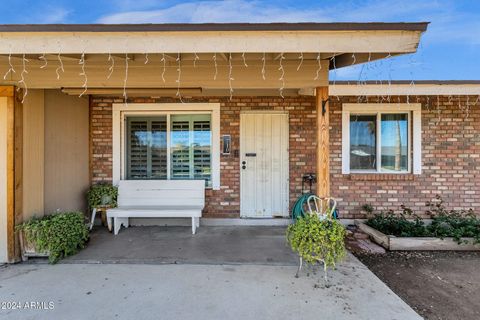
(287,166)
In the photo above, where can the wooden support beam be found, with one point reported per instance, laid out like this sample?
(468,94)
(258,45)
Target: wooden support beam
(18,169)
(323,142)
(13,183)
(6,91)
(65,57)
(10,179)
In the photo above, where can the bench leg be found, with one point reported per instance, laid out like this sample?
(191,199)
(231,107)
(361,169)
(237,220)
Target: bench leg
(109,222)
(194,225)
(94,213)
(116,225)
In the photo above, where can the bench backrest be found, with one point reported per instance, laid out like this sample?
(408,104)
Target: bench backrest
(161,193)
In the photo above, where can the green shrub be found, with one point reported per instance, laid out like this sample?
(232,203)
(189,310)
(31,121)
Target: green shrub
(61,234)
(367,208)
(445,223)
(452,223)
(318,240)
(398,225)
(102,194)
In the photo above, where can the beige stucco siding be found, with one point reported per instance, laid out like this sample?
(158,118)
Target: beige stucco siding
(3,179)
(33,154)
(66,151)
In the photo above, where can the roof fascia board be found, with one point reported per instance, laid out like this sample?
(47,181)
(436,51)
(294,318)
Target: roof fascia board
(376,41)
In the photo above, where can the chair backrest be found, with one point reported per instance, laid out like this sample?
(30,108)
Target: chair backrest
(323,207)
(161,193)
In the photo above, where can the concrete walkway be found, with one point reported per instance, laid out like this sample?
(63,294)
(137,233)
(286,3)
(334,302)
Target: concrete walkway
(256,288)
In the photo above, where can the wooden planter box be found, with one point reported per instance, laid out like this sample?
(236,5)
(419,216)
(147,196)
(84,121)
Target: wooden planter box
(28,248)
(416,243)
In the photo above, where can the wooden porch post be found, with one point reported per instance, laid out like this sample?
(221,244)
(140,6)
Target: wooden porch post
(11,165)
(323,142)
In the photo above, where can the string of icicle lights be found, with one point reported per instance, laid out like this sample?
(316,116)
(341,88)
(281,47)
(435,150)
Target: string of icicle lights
(111,65)
(60,69)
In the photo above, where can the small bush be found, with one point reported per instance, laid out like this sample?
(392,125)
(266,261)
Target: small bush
(445,223)
(318,240)
(60,234)
(102,194)
(367,208)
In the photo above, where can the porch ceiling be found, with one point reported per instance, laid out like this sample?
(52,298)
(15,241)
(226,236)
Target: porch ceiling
(209,56)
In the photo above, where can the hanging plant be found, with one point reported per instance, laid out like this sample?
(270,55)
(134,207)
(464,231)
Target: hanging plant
(318,241)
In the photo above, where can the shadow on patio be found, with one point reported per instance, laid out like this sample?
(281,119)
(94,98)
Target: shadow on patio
(176,245)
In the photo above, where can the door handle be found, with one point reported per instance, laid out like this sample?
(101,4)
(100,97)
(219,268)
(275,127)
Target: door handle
(244,165)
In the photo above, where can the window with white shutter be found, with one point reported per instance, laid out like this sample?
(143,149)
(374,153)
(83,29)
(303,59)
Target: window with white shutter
(146,148)
(189,155)
(191,142)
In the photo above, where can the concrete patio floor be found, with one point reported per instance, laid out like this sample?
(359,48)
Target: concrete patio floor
(208,276)
(210,245)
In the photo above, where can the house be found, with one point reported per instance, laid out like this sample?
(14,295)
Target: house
(246,107)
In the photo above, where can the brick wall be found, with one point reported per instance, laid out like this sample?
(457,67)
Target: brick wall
(450,154)
(450,160)
(224,202)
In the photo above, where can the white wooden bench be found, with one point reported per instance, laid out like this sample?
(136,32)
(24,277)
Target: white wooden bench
(157,199)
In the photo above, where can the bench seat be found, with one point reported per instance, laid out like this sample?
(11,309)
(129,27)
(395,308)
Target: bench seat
(157,199)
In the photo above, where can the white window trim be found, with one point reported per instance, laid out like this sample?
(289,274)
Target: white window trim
(121,110)
(415,130)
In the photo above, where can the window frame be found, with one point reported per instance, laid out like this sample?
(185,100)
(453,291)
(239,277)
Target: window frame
(414,134)
(121,111)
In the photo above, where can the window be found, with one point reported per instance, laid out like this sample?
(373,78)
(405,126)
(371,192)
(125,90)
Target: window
(143,137)
(381,138)
(389,132)
(146,148)
(148,155)
(191,144)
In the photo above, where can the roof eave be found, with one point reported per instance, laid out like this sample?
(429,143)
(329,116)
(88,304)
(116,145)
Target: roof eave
(192,27)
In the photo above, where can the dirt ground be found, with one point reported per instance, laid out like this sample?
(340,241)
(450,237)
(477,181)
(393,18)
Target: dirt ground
(438,285)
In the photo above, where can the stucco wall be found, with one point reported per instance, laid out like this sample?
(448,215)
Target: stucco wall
(66,151)
(33,154)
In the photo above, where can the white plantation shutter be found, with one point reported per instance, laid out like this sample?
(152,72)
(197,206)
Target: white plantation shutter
(137,150)
(191,142)
(159,149)
(180,149)
(201,150)
(190,147)
(147,148)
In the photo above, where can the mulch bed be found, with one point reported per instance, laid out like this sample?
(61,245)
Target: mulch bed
(437,285)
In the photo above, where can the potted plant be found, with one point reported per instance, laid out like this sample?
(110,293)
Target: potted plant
(317,240)
(54,236)
(102,195)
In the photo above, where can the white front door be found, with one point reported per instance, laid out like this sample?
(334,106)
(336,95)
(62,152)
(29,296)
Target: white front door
(264,165)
